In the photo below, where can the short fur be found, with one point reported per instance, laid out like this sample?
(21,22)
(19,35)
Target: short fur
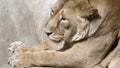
(83,34)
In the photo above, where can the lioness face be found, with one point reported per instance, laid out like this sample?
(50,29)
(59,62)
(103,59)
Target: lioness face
(70,23)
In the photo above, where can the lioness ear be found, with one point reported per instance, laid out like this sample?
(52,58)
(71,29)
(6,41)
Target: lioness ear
(90,14)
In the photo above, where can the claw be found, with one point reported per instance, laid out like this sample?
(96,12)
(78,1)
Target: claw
(9,62)
(11,50)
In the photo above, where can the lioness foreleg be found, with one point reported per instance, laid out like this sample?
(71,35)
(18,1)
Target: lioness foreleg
(20,47)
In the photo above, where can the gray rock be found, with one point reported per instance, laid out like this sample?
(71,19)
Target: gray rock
(22,20)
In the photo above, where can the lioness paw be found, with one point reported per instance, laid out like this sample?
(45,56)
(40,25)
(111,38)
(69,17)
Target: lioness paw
(16,47)
(19,61)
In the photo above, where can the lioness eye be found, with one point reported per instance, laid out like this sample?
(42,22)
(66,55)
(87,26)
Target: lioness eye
(63,18)
(52,12)
(64,22)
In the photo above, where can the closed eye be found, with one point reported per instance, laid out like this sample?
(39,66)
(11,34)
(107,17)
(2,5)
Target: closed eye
(64,19)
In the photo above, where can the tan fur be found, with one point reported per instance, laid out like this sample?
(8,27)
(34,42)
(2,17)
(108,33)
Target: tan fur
(82,33)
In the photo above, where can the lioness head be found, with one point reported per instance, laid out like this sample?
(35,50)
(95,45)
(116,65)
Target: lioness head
(71,22)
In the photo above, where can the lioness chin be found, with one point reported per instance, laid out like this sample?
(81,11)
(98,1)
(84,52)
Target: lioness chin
(83,34)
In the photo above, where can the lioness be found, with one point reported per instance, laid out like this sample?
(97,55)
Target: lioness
(83,34)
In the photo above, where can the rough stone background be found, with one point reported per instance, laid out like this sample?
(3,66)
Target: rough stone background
(22,20)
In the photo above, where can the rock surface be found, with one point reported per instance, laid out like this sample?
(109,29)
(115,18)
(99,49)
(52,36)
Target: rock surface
(22,20)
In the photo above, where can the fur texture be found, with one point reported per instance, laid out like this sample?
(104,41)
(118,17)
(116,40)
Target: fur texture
(83,34)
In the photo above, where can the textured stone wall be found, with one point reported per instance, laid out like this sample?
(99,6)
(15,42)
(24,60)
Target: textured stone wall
(22,20)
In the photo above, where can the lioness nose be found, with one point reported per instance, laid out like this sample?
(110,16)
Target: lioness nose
(48,33)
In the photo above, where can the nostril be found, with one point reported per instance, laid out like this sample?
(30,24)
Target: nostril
(48,33)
